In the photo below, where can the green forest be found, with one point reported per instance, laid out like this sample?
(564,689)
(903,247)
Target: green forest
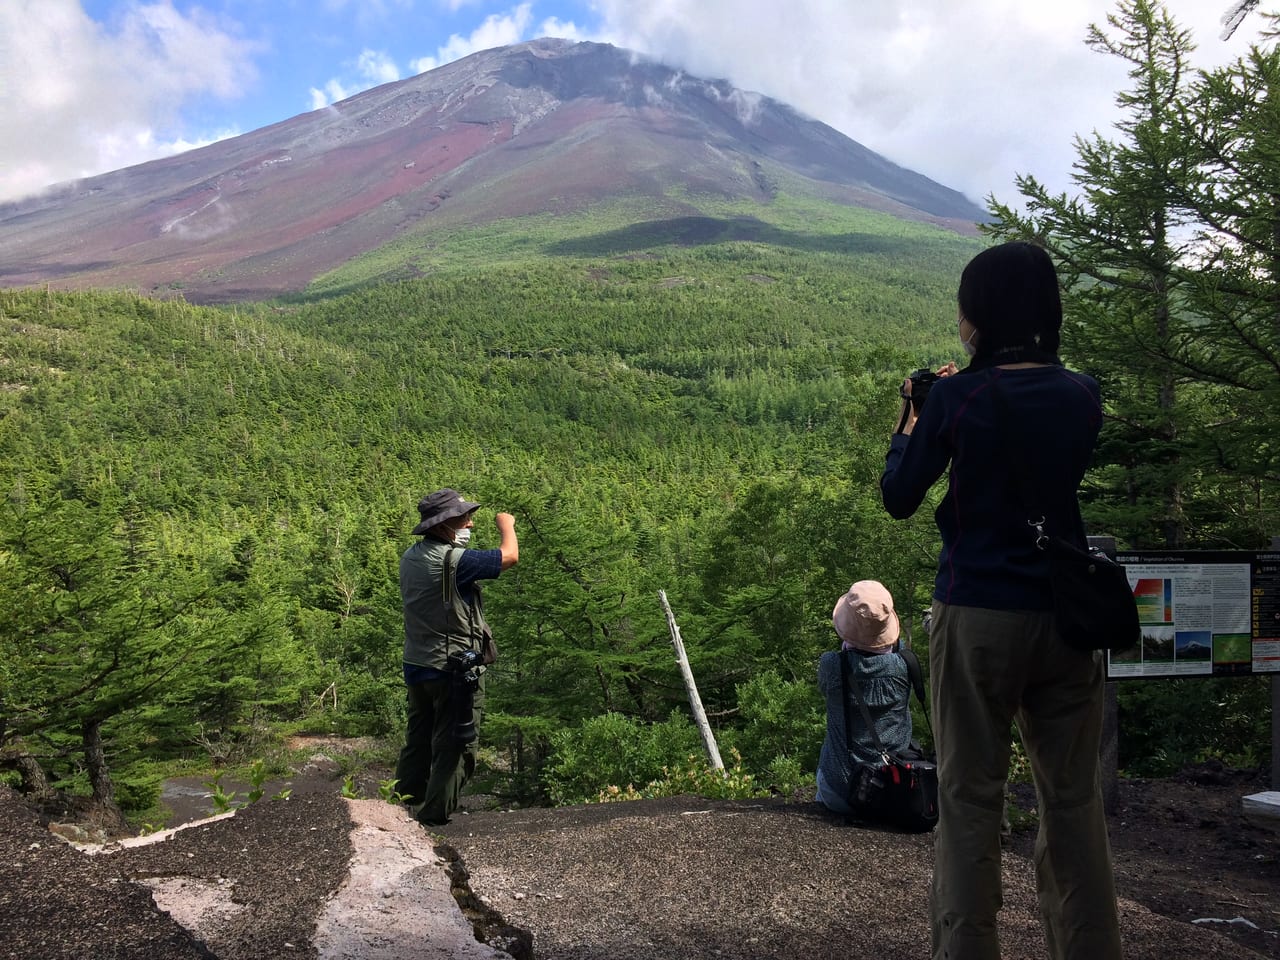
(202,508)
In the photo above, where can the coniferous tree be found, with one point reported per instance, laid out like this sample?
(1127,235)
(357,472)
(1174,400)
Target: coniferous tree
(1235,15)
(1229,337)
(91,631)
(1168,292)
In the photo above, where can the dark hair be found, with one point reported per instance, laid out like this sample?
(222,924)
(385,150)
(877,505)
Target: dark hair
(1010,293)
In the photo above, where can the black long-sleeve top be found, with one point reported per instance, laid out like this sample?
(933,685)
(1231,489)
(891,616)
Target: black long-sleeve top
(988,557)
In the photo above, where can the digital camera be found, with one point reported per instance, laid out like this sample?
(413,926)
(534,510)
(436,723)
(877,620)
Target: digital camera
(464,680)
(921,381)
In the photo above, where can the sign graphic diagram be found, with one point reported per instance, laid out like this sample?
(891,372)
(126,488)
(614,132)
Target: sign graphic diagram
(1203,613)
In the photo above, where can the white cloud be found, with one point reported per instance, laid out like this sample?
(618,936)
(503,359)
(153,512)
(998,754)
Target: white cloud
(497,30)
(564,29)
(377,67)
(82,99)
(967,93)
(119,149)
(331,92)
(373,68)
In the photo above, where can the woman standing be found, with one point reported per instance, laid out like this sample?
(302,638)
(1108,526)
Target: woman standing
(995,656)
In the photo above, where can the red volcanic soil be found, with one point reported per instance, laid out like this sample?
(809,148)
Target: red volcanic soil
(547,126)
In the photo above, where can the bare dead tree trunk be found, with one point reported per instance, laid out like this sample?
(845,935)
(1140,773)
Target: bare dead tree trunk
(695,701)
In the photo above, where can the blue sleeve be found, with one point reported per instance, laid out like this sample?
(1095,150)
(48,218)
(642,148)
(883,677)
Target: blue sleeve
(476,565)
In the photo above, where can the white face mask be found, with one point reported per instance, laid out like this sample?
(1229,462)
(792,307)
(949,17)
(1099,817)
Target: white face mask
(969,346)
(462,537)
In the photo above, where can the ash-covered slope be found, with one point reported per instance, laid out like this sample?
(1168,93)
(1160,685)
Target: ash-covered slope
(547,126)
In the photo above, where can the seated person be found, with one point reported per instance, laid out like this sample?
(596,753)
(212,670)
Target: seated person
(868,630)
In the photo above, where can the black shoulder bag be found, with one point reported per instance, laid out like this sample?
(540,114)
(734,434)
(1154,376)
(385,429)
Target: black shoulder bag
(1093,605)
(897,790)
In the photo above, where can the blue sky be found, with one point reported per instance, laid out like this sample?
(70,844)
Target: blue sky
(968,92)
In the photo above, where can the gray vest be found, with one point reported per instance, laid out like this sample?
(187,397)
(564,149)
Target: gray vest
(437,622)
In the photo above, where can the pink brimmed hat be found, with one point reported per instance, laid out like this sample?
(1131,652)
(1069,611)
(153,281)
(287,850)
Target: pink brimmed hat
(864,617)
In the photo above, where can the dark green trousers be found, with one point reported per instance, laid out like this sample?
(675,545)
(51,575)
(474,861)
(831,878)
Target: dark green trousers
(433,766)
(990,668)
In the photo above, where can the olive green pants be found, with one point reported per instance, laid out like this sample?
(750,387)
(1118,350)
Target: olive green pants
(433,766)
(988,669)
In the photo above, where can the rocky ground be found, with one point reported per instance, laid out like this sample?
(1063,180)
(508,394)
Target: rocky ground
(690,880)
(678,879)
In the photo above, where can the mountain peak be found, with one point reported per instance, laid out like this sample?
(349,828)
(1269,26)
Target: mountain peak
(544,126)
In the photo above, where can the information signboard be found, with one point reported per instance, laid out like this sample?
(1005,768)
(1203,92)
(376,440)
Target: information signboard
(1203,613)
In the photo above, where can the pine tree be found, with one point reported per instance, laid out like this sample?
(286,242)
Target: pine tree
(1168,292)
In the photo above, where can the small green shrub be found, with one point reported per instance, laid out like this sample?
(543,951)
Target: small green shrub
(138,793)
(695,777)
(370,707)
(388,792)
(614,749)
(786,776)
(1019,762)
(512,763)
(782,720)
(1021,821)
(1167,724)
(222,800)
(257,777)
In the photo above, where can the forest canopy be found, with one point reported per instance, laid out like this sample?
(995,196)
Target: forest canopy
(203,507)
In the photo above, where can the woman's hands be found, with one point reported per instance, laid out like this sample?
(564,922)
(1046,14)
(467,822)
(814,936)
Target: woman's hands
(907,414)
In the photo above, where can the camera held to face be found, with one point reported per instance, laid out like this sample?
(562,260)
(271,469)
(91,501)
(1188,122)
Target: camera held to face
(464,680)
(921,381)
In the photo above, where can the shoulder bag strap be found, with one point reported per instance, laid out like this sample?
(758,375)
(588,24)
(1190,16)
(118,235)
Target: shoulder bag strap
(449,588)
(917,678)
(917,682)
(852,684)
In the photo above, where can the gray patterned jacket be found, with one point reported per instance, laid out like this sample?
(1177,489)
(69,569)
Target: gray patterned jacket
(886,689)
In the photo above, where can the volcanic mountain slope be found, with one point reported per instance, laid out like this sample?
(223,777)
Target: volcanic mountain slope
(546,126)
